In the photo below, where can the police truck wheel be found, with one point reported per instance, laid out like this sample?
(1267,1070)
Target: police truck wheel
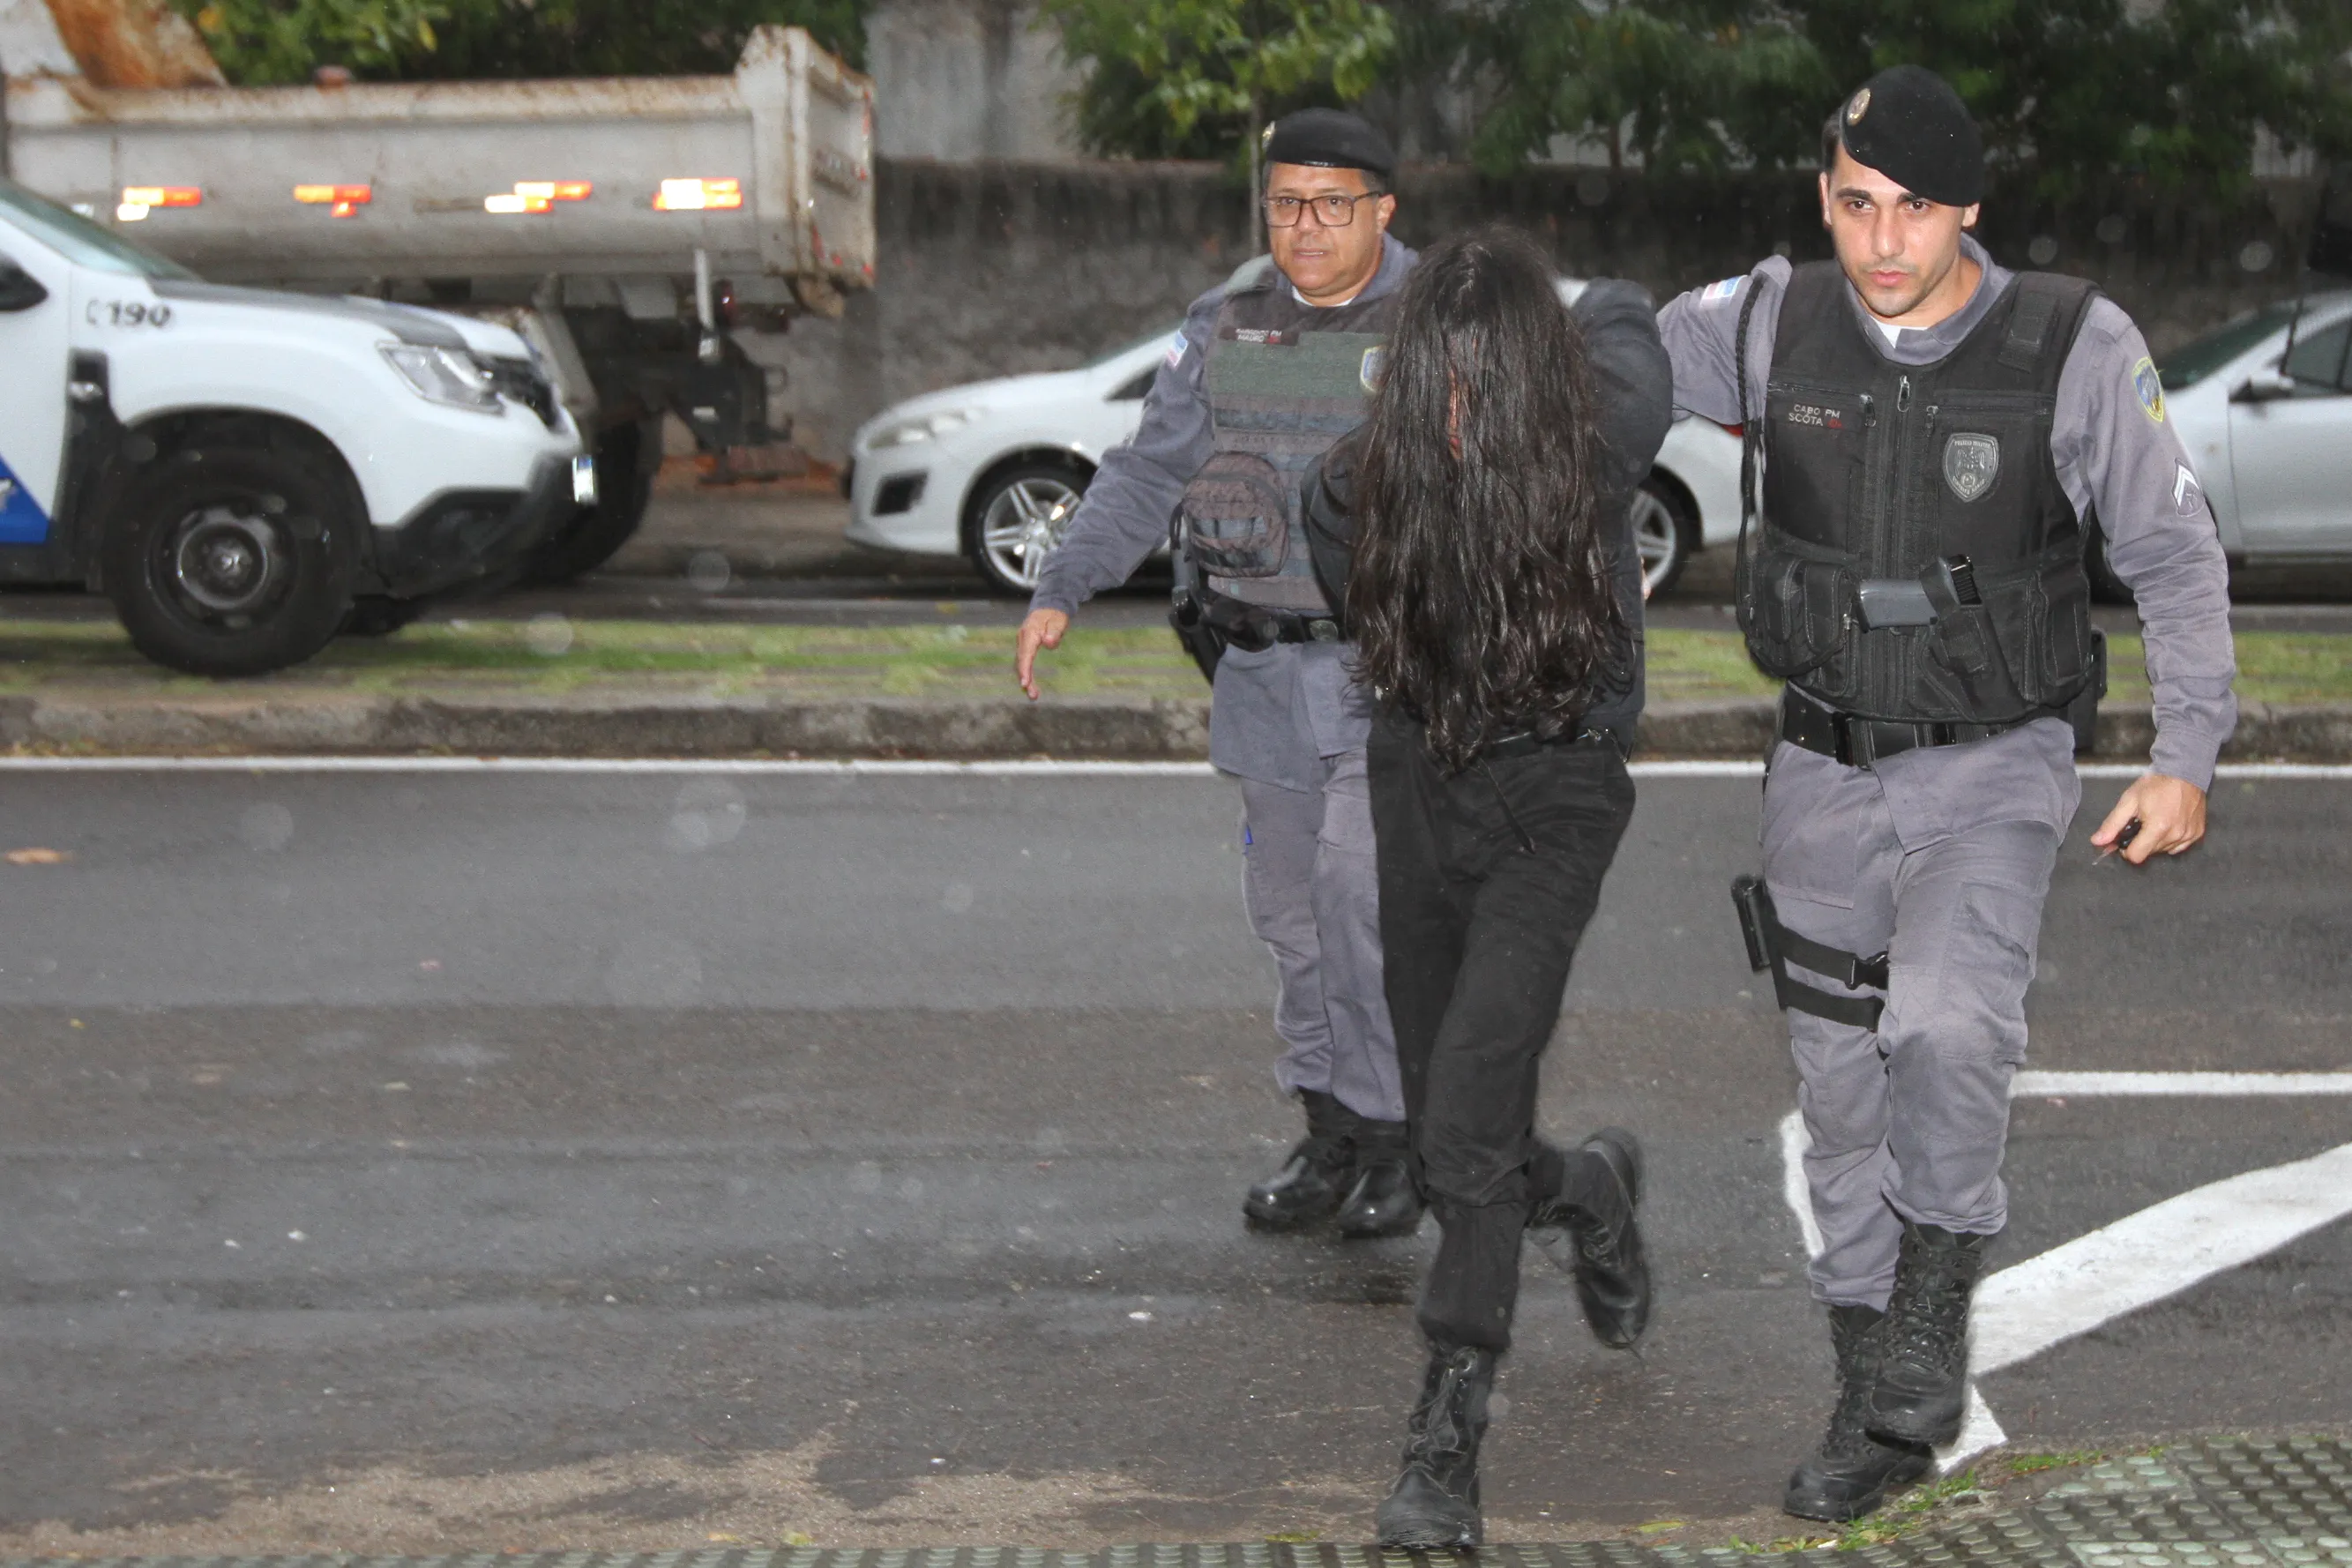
(1665,531)
(233,560)
(628,458)
(1016,518)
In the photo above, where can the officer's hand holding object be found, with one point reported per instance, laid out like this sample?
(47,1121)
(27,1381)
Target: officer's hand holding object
(1042,629)
(2170,812)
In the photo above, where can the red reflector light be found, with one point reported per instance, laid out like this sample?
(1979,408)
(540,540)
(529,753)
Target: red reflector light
(163,195)
(334,195)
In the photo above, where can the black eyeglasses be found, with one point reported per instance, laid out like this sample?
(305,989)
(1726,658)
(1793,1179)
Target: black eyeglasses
(1332,211)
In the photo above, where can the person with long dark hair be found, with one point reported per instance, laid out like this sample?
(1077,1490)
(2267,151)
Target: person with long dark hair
(1477,530)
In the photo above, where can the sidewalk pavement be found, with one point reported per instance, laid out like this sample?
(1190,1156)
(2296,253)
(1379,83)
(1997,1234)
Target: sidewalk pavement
(2223,1503)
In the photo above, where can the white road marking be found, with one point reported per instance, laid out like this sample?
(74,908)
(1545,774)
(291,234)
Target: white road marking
(2170,1085)
(2137,1260)
(917,767)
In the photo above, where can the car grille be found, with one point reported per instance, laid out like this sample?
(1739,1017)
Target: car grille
(520,381)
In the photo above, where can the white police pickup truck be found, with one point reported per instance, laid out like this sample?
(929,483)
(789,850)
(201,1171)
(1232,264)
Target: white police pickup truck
(244,473)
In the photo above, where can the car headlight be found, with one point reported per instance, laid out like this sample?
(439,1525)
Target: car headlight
(906,432)
(450,376)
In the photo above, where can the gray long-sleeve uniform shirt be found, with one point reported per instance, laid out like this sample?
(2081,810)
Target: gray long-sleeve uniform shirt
(2115,452)
(1275,714)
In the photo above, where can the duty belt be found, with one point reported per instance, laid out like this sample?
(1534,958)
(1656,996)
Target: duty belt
(1857,742)
(1255,627)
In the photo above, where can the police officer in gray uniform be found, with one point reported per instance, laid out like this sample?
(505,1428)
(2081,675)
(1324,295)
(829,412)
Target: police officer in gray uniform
(1259,381)
(1936,435)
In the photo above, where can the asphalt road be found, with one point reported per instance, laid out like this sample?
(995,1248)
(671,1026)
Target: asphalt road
(413,1162)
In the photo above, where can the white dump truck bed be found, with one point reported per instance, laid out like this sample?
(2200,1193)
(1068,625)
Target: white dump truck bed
(768,171)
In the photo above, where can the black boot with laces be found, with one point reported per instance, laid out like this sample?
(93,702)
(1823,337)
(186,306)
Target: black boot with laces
(1922,1388)
(1433,1507)
(1851,1472)
(1589,1229)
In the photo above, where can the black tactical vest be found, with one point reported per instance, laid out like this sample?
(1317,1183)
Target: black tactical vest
(1879,470)
(1286,379)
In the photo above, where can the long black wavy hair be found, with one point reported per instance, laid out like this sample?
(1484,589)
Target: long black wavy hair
(1480,597)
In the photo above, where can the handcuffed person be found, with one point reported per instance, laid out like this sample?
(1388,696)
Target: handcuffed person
(1477,533)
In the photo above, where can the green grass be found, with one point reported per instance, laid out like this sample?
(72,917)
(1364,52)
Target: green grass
(1906,1513)
(554,657)
(2034,1464)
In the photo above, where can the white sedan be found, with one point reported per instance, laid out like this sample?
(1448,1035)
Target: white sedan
(2269,429)
(993,470)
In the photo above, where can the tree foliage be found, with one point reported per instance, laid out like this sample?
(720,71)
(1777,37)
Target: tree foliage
(264,41)
(1190,78)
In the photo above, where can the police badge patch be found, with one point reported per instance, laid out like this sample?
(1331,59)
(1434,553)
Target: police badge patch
(1971,463)
(1375,361)
(2148,387)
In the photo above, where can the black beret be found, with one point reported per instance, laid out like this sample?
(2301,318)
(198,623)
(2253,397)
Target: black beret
(1329,139)
(1908,124)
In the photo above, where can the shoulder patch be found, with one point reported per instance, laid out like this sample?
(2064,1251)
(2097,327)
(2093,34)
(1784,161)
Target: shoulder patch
(1176,347)
(1723,291)
(2149,388)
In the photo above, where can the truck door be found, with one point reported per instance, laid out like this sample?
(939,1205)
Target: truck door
(36,305)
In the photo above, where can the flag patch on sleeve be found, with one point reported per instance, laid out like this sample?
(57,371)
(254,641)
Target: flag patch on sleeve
(1723,291)
(1176,346)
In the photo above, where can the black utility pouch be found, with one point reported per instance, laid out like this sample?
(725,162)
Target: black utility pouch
(1797,613)
(2083,711)
(1236,517)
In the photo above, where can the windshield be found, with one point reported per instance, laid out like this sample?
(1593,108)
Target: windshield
(80,241)
(2194,361)
(1161,336)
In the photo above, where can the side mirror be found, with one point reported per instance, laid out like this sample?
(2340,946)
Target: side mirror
(2264,387)
(19,289)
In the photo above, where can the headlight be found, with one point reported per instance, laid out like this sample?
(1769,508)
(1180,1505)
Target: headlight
(906,432)
(445,375)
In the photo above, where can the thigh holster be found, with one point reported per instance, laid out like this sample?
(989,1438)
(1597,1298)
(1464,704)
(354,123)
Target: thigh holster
(1770,945)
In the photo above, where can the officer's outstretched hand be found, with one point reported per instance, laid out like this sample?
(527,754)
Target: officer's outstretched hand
(2171,815)
(1044,628)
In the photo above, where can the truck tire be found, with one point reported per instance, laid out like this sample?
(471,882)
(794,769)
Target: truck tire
(231,560)
(628,458)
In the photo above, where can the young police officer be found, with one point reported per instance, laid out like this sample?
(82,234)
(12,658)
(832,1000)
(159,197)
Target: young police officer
(1258,385)
(1937,434)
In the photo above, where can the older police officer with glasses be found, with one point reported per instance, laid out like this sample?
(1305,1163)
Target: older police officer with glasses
(1260,381)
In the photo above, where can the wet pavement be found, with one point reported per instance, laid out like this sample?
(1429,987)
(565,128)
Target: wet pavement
(423,1162)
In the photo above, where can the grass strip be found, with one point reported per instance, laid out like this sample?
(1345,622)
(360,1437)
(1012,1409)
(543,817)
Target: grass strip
(555,657)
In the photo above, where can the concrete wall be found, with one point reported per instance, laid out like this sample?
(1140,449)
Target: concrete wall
(995,268)
(966,80)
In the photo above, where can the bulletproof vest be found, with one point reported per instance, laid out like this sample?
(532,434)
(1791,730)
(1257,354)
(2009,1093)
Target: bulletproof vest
(1877,472)
(1286,379)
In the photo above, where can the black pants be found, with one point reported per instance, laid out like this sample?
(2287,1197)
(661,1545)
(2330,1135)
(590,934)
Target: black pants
(1487,879)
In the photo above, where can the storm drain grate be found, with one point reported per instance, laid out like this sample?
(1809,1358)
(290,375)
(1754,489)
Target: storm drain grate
(2219,1504)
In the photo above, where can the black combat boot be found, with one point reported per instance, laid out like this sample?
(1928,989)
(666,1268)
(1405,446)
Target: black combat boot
(1383,1200)
(1589,1230)
(1433,1507)
(1851,1472)
(1310,1185)
(1922,1389)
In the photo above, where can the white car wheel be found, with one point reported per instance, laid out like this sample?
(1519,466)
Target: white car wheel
(1663,532)
(1018,520)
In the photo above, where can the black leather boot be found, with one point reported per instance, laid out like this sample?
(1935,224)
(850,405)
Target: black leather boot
(1310,1182)
(1922,1389)
(1589,1230)
(1382,1201)
(1433,1507)
(1852,1471)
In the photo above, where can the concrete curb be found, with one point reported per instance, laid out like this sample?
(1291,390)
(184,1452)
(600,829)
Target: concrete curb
(1162,729)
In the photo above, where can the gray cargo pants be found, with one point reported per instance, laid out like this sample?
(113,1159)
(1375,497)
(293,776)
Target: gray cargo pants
(1940,857)
(1312,884)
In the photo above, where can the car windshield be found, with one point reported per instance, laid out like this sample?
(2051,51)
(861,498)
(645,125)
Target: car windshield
(1161,336)
(80,241)
(2194,361)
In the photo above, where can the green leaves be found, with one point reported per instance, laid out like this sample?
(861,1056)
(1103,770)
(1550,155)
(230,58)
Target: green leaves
(265,41)
(1174,79)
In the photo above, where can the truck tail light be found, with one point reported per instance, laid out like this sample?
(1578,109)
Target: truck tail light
(138,201)
(340,201)
(699,195)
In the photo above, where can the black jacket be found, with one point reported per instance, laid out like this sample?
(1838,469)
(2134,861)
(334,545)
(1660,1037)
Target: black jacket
(1636,387)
